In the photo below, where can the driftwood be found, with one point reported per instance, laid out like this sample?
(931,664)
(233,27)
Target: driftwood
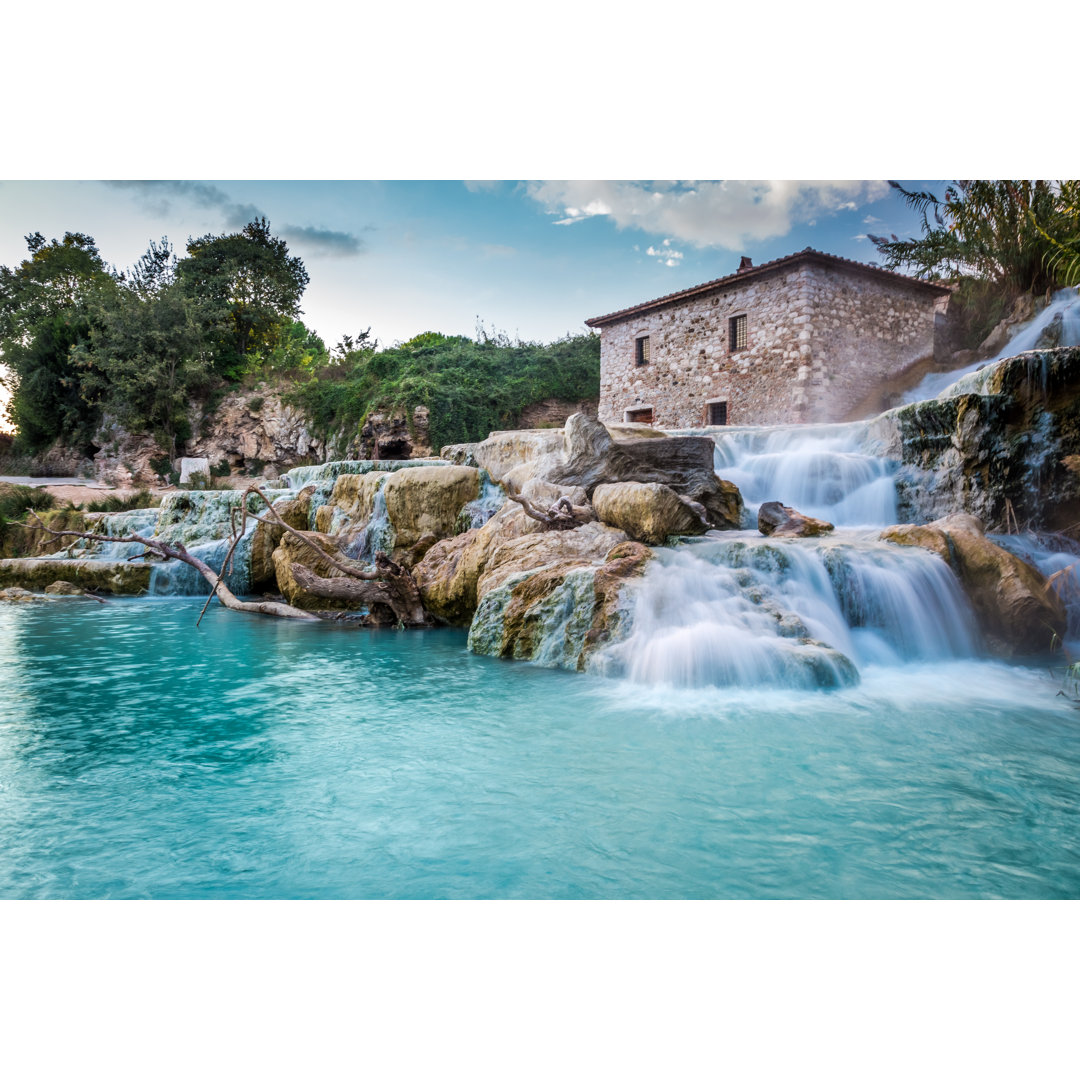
(389,591)
(177,551)
(562,514)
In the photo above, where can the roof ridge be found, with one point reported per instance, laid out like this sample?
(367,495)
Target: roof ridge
(743,275)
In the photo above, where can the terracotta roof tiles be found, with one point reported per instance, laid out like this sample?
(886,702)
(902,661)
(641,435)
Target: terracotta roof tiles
(807,254)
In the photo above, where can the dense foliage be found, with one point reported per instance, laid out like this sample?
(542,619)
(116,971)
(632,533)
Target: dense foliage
(250,283)
(82,341)
(995,239)
(995,230)
(86,343)
(44,313)
(470,387)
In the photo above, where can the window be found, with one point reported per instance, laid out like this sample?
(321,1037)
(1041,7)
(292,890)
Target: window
(640,416)
(737,333)
(716,413)
(641,351)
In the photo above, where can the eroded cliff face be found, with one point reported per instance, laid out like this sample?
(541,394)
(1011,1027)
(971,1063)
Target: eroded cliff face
(1004,446)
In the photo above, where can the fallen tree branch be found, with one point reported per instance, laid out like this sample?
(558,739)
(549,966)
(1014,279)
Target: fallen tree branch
(177,551)
(393,598)
(562,514)
(348,570)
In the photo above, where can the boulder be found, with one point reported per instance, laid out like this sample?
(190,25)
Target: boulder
(649,513)
(775,519)
(559,614)
(428,499)
(684,463)
(15,595)
(448,573)
(1019,612)
(588,544)
(64,588)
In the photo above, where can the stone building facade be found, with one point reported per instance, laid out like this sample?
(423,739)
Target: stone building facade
(802,339)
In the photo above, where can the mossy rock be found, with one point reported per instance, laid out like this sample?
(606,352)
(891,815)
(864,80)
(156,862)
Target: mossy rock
(117,578)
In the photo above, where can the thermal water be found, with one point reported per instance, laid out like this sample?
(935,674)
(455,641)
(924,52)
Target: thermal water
(1058,324)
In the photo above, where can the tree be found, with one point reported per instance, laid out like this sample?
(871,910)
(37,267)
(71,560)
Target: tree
(995,231)
(147,353)
(44,314)
(249,284)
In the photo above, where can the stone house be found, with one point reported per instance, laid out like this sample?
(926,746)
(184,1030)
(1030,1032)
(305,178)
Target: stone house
(806,338)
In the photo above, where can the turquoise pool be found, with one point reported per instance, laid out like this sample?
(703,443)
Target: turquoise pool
(255,758)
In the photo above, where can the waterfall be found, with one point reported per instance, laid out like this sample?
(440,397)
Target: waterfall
(1050,554)
(202,522)
(1056,325)
(485,506)
(824,471)
(377,535)
(123,523)
(807,614)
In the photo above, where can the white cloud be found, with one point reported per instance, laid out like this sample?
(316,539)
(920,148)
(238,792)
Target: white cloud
(665,254)
(705,213)
(871,220)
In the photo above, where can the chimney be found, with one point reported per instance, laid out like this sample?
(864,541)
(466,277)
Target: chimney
(746,263)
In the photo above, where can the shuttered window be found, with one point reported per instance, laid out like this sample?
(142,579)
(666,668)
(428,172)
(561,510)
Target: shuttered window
(641,351)
(639,416)
(717,413)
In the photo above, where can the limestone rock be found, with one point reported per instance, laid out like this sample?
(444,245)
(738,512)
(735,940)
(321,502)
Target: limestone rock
(1020,614)
(190,466)
(649,513)
(1000,449)
(253,426)
(428,499)
(15,595)
(588,544)
(502,451)
(449,571)
(351,503)
(386,437)
(124,458)
(559,614)
(117,578)
(291,550)
(775,519)
(64,588)
(684,463)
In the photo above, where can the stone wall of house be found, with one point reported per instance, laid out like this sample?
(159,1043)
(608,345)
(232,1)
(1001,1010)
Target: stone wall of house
(817,340)
(864,331)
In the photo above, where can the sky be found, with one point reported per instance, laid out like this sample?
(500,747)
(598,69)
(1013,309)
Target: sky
(531,258)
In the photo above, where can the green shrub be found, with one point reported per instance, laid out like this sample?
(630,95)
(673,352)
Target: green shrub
(222,468)
(469,387)
(113,504)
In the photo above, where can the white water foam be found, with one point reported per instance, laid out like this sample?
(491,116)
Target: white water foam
(825,472)
(804,613)
(1058,324)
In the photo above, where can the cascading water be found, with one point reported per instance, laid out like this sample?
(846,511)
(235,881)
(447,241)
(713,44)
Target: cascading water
(202,521)
(751,611)
(485,506)
(826,472)
(323,477)
(1058,324)
(377,535)
(123,523)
